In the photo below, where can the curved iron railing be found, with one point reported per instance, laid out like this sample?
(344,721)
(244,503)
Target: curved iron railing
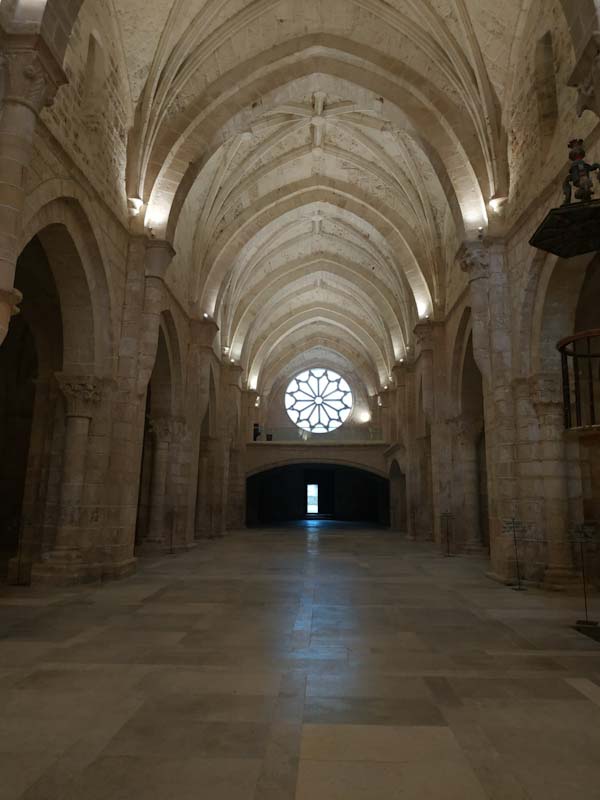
(580,356)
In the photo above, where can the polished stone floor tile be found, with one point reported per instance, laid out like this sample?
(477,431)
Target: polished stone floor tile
(290,664)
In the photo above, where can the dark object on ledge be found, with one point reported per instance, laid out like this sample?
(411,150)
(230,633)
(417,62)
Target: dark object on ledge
(574,228)
(570,230)
(579,174)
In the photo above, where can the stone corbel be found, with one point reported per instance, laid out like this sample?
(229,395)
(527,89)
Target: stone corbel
(424,332)
(31,76)
(11,298)
(474,260)
(586,77)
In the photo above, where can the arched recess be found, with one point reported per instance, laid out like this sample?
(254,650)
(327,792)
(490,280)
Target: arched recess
(568,302)
(557,293)
(80,271)
(59,331)
(163,435)
(471,484)
(278,493)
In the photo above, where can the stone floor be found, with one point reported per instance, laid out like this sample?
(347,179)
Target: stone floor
(318,664)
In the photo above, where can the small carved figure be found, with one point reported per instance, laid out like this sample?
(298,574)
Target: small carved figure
(579,174)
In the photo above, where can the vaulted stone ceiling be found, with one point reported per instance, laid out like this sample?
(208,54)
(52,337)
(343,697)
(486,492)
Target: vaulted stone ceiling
(317,163)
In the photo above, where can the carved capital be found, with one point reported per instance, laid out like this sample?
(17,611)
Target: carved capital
(31,76)
(203,333)
(474,260)
(168,430)
(425,333)
(83,393)
(159,254)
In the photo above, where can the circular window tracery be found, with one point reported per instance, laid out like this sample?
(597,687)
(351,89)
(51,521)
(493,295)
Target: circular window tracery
(318,400)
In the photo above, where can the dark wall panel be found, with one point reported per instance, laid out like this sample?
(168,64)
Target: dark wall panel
(347,494)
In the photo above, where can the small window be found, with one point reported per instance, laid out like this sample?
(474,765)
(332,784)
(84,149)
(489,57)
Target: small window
(312,498)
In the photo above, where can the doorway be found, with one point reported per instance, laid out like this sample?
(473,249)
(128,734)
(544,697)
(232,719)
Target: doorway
(312,499)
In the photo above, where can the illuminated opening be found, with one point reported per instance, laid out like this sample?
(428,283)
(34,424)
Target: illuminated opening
(318,400)
(312,498)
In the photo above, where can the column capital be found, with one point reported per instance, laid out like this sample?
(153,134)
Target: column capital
(203,333)
(162,428)
(83,393)
(159,254)
(586,77)
(233,374)
(32,75)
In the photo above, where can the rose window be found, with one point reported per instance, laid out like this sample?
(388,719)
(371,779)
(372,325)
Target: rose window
(318,400)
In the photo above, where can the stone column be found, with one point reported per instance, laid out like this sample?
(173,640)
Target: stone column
(200,356)
(236,491)
(431,348)
(65,562)
(552,460)
(31,77)
(485,264)
(404,375)
(162,430)
(466,473)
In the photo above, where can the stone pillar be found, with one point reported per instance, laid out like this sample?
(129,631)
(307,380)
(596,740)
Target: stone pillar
(200,357)
(431,349)
(236,489)
(31,77)
(162,431)
(552,460)
(404,375)
(466,474)
(65,562)
(485,264)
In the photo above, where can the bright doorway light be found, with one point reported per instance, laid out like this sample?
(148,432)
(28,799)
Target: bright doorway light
(312,498)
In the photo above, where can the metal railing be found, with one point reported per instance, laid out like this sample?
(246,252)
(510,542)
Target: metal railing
(580,356)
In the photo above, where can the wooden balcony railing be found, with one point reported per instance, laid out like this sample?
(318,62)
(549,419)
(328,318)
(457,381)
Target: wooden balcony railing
(581,379)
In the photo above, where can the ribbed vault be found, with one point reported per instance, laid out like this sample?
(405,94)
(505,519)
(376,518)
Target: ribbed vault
(317,163)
